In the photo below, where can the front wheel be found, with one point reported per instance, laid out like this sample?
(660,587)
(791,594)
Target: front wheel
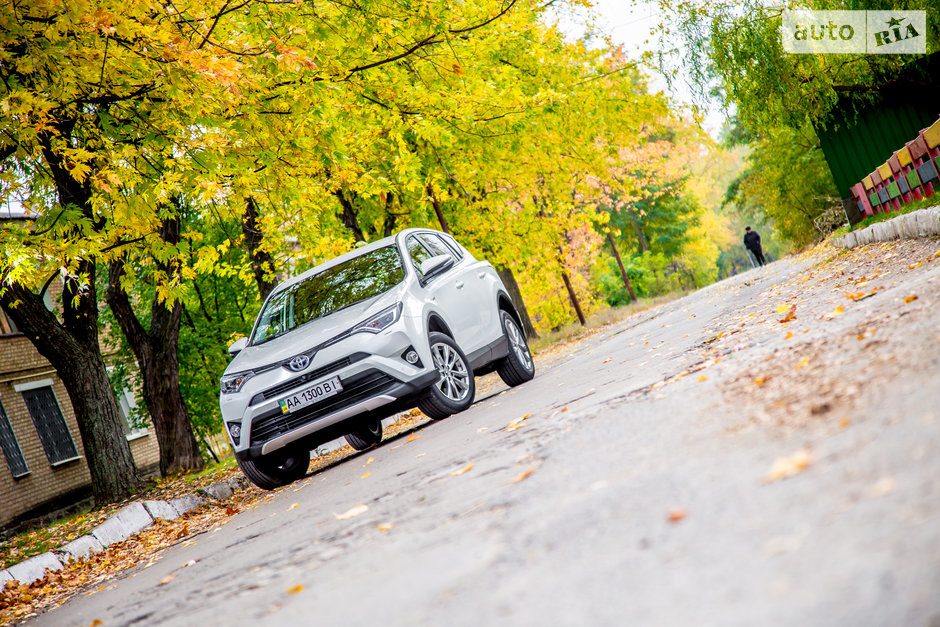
(517,367)
(454,389)
(276,469)
(365,436)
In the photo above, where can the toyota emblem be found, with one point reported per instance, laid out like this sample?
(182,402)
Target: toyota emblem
(299,362)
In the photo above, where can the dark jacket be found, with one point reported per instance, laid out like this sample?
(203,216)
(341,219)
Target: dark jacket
(752,240)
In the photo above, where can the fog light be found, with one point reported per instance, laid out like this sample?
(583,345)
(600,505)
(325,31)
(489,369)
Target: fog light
(235,430)
(411,357)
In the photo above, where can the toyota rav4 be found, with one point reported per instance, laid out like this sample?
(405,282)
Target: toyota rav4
(404,322)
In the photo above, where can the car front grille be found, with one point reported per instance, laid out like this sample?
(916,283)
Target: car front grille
(355,390)
(280,388)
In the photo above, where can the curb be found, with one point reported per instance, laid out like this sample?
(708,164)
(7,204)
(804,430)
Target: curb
(127,522)
(921,223)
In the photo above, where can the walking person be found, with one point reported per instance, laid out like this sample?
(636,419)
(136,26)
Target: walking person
(752,243)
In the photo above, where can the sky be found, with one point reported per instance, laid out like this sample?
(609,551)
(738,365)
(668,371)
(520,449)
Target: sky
(630,24)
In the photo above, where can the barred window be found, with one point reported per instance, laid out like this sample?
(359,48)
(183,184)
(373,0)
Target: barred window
(11,448)
(50,424)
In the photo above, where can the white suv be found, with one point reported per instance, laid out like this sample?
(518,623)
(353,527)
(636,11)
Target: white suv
(404,322)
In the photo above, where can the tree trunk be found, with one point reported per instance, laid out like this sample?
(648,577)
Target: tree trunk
(261,260)
(515,295)
(623,272)
(349,218)
(443,222)
(644,245)
(158,359)
(573,297)
(72,349)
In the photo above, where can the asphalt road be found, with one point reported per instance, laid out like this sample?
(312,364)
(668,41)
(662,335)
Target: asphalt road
(639,490)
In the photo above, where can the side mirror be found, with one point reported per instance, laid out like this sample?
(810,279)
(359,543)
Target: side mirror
(434,266)
(237,346)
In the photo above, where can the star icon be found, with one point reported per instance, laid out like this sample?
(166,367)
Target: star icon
(894,22)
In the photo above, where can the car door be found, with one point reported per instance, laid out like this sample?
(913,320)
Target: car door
(448,292)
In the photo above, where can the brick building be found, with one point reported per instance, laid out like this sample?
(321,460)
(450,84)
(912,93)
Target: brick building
(45,468)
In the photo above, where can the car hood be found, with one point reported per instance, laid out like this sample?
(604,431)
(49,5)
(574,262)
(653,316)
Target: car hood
(312,334)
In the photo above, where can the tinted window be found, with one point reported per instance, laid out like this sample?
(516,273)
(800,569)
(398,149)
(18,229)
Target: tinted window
(11,448)
(50,425)
(333,289)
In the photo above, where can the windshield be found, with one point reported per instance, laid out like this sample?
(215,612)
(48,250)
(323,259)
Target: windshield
(333,289)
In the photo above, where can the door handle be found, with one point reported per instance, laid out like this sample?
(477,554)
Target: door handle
(481,275)
(459,285)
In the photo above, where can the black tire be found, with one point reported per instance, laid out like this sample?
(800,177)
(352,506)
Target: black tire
(277,469)
(365,436)
(454,389)
(518,366)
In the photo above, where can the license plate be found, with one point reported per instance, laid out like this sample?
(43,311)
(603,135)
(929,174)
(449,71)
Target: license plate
(311,395)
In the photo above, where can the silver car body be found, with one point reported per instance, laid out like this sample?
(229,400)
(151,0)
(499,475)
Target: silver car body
(464,302)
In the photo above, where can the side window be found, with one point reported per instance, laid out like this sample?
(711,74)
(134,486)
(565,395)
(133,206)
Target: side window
(50,423)
(11,448)
(417,252)
(435,245)
(453,245)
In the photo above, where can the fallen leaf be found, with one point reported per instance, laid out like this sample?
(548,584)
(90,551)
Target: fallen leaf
(386,526)
(838,310)
(355,511)
(676,515)
(517,423)
(702,377)
(231,511)
(803,363)
(413,437)
(791,315)
(913,265)
(166,580)
(294,505)
(911,298)
(796,463)
(712,339)
(457,473)
(760,380)
(295,589)
(522,476)
(96,623)
(788,335)
(366,475)
(370,460)
(844,423)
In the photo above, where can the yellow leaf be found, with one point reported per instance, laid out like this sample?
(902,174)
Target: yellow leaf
(913,265)
(844,423)
(702,377)
(788,335)
(796,463)
(911,298)
(760,380)
(96,623)
(413,437)
(457,473)
(366,475)
(838,310)
(355,511)
(370,460)
(525,474)
(782,307)
(803,363)
(517,423)
(166,580)
(295,589)
(386,526)
(294,505)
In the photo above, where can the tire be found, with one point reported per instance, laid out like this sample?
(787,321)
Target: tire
(277,469)
(518,366)
(365,436)
(454,389)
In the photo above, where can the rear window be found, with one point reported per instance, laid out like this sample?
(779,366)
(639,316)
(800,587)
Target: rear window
(333,289)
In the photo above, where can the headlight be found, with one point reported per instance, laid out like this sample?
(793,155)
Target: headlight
(233,382)
(381,320)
